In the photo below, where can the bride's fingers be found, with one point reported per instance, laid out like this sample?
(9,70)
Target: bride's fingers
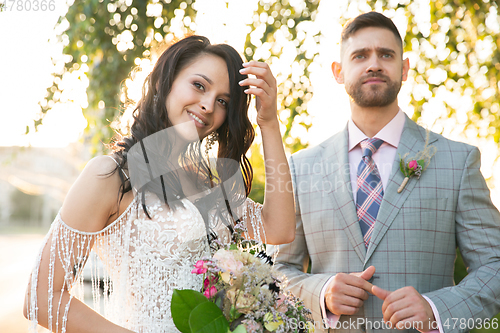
(263,73)
(258,92)
(258,83)
(263,101)
(256,64)
(263,87)
(261,70)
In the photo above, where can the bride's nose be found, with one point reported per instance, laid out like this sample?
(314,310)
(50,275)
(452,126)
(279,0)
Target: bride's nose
(207,104)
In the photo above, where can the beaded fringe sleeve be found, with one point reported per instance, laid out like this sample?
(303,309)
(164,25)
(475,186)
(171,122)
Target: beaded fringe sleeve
(71,249)
(143,261)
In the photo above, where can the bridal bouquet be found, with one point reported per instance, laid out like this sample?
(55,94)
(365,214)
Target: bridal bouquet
(240,293)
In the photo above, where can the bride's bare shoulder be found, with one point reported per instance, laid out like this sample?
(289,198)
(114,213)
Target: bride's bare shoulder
(93,197)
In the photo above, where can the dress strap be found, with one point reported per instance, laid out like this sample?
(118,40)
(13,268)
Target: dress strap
(119,167)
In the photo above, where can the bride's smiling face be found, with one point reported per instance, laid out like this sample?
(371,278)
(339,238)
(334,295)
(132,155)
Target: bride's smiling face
(200,94)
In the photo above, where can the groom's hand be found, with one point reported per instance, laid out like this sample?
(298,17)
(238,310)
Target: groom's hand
(346,293)
(405,308)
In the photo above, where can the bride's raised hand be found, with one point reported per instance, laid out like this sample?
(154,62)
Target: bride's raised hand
(263,86)
(278,213)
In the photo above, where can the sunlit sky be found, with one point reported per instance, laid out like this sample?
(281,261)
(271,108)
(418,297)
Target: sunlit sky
(25,55)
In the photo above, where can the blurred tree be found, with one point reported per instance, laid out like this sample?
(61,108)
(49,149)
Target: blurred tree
(102,41)
(25,208)
(282,32)
(454,46)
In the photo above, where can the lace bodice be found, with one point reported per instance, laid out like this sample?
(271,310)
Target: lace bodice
(143,259)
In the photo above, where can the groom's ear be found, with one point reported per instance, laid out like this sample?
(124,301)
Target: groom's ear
(337,72)
(406,68)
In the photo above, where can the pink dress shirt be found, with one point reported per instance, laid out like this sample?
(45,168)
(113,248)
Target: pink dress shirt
(383,158)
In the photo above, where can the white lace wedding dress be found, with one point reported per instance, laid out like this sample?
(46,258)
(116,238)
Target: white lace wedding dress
(144,261)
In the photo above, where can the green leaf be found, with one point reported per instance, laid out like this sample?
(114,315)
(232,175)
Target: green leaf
(240,329)
(234,314)
(402,166)
(421,163)
(218,302)
(183,304)
(208,318)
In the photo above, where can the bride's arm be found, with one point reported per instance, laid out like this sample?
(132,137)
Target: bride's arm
(278,212)
(90,204)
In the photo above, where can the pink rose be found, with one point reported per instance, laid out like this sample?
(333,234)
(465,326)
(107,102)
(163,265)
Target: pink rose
(413,165)
(200,268)
(210,292)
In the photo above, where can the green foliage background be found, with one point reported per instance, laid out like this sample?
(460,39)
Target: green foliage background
(448,40)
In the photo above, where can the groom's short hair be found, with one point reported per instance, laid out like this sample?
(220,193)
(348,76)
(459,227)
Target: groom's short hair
(368,20)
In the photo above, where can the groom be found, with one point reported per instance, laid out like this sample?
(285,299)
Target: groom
(380,257)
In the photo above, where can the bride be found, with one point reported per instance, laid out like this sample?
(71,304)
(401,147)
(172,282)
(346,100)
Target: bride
(153,208)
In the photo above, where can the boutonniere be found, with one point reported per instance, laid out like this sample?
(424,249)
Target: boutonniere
(414,166)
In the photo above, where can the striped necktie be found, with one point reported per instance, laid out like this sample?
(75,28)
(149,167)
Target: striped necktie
(370,192)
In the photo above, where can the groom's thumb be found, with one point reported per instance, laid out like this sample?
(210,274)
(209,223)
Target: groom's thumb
(367,273)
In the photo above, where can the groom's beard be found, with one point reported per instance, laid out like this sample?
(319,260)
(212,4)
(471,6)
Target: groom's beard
(376,95)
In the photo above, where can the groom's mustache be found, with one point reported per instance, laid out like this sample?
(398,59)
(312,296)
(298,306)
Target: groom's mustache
(380,76)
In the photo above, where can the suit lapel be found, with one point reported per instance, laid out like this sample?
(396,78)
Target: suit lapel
(336,164)
(412,141)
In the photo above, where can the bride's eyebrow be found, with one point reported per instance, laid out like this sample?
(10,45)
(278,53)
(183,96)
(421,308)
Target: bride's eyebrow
(206,78)
(212,82)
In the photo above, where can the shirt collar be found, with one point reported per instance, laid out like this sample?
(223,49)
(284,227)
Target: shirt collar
(391,133)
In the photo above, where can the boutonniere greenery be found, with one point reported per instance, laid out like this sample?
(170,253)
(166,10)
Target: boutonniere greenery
(415,165)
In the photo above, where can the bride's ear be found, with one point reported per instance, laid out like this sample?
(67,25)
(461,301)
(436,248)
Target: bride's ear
(337,72)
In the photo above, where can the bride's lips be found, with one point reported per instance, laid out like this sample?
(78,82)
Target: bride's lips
(198,119)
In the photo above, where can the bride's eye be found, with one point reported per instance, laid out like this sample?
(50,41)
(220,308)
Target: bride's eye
(223,102)
(199,86)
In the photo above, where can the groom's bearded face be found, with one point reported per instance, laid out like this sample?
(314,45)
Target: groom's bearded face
(375,95)
(372,67)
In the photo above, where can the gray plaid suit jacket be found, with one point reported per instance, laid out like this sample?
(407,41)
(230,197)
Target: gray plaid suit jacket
(415,236)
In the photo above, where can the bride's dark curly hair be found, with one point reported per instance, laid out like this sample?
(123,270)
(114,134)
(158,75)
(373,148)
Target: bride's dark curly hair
(235,135)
